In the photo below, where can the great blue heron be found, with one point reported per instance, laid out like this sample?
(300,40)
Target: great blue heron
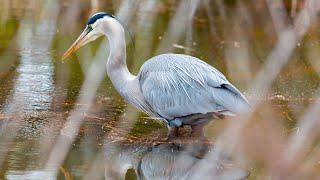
(179,88)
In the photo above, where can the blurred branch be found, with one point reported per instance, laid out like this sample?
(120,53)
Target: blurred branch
(277,59)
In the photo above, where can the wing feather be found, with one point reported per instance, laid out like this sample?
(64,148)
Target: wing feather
(177,85)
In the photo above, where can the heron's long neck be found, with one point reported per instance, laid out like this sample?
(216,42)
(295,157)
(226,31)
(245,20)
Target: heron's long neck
(116,64)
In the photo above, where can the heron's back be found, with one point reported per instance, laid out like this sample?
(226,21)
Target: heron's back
(177,85)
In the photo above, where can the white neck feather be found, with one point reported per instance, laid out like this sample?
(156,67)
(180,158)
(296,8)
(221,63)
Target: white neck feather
(117,69)
(125,83)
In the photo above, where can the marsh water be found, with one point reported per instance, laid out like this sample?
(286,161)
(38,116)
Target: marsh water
(64,120)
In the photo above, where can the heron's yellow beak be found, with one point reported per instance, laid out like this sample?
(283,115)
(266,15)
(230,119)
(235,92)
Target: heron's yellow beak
(82,40)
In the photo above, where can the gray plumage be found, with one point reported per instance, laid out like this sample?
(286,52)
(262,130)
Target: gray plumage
(176,87)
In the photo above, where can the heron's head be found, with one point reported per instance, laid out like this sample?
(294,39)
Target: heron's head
(93,30)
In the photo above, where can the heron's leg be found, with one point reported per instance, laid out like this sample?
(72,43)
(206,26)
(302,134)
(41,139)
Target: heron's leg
(173,126)
(198,121)
(172,133)
(197,128)
(199,118)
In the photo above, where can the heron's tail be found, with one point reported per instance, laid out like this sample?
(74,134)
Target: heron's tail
(233,103)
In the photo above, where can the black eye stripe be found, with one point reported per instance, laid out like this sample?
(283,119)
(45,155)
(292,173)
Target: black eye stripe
(100,15)
(97,16)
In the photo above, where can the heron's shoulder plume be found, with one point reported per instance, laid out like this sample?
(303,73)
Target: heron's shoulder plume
(97,16)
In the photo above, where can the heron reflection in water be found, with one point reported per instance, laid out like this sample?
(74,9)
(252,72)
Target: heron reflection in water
(177,158)
(179,88)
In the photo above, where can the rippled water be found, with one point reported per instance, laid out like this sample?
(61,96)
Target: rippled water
(40,96)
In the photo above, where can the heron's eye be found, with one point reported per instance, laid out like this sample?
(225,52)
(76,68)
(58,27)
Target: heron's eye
(89,27)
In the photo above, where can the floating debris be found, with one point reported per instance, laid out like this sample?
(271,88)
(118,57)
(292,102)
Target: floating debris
(183,47)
